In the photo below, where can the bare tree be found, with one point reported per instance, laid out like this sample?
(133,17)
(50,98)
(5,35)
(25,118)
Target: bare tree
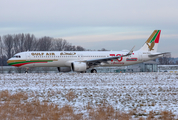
(59,44)
(164,60)
(35,44)
(103,49)
(80,48)
(29,42)
(16,40)
(45,43)
(70,48)
(8,43)
(1,55)
(1,45)
(22,41)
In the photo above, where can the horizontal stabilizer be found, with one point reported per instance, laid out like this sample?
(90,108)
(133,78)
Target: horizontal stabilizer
(156,54)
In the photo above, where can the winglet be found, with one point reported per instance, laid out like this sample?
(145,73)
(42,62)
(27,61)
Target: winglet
(131,51)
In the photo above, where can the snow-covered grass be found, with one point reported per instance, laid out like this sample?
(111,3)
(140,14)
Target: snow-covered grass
(125,92)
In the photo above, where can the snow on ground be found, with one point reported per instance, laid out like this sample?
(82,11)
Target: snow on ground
(142,92)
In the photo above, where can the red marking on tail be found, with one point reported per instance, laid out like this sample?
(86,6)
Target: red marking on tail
(157,37)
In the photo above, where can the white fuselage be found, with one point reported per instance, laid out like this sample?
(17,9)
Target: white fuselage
(65,58)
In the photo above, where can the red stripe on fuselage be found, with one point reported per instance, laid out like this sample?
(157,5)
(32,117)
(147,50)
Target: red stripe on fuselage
(18,65)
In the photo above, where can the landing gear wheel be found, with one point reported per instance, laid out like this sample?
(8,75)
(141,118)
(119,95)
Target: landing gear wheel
(83,72)
(93,71)
(26,71)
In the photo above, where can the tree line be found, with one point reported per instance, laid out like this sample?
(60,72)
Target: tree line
(12,44)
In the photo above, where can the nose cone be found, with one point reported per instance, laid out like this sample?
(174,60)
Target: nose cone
(8,61)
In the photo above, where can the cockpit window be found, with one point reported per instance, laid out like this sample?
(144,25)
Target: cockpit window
(17,56)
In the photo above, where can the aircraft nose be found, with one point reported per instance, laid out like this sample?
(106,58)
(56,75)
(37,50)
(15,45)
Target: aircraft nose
(8,61)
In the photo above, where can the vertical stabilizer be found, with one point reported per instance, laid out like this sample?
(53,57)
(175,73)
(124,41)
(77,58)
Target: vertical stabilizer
(152,43)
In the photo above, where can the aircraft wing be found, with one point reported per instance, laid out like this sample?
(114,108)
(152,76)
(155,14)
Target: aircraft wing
(97,61)
(156,54)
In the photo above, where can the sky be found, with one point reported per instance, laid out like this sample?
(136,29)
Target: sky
(94,24)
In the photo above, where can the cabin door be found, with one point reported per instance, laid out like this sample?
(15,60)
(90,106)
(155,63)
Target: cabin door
(28,56)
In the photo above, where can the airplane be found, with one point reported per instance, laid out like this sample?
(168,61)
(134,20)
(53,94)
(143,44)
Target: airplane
(80,61)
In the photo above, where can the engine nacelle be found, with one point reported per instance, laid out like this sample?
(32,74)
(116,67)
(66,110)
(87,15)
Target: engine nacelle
(79,66)
(64,69)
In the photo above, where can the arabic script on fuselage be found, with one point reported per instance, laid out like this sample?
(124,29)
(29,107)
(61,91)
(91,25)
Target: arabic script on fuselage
(65,53)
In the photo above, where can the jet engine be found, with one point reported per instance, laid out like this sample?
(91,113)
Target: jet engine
(64,69)
(79,66)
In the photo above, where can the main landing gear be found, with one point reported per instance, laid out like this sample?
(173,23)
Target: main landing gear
(26,71)
(83,72)
(93,71)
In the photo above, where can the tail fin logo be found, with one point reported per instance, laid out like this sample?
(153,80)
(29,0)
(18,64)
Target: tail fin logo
(151,46)
(151,40)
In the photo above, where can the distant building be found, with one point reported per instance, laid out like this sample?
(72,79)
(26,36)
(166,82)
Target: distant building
(168,68)
(149,66)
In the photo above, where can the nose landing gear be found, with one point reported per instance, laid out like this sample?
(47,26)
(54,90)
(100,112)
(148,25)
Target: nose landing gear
(93,71)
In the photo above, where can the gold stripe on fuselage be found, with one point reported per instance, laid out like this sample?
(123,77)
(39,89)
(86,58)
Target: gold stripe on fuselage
(11,61)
